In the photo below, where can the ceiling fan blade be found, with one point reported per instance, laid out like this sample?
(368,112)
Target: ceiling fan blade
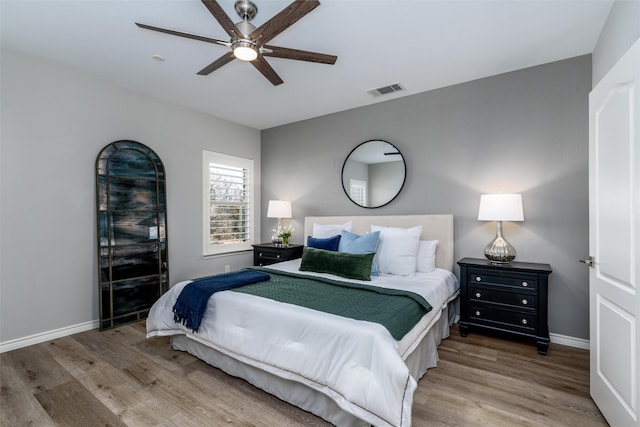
(283,20)
(222,17)
(180,34)
(300,55)
(263,66)
(223,60)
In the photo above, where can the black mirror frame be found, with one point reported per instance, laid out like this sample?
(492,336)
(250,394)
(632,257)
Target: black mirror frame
(404,178)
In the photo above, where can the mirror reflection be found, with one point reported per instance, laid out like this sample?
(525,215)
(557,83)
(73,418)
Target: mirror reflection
(373,174)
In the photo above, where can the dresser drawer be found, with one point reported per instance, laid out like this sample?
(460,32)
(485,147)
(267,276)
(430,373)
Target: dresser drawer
(516,280)
(514,320)
(269,255)
(479,293)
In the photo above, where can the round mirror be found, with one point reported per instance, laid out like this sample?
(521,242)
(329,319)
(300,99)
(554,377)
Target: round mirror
(373,174)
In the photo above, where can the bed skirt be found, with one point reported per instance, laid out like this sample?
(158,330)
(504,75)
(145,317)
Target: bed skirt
(423,357)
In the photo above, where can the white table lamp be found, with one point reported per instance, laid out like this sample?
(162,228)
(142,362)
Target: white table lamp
(500,207)
(278,209)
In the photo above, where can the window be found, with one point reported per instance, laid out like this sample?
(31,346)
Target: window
(358,191)
(228,203)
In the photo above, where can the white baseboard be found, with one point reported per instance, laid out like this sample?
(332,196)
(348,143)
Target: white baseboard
(49,335)
(570,341)
(94,324)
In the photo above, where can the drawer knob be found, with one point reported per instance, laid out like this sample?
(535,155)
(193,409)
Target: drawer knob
(525,302)
(478,295)
(478,279)
(477,313)
(525,284)
(524,321)
(278,256)
(260,254)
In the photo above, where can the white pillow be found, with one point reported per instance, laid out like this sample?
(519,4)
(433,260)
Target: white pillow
(397,250)
(426,261)
(328,230)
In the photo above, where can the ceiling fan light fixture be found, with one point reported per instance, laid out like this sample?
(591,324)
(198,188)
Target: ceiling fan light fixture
(248,43)
(245,51)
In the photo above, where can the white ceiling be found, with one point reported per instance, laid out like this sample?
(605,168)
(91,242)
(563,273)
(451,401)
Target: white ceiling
(421,44)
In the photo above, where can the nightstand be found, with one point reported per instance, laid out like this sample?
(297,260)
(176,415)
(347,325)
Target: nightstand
(508,298)
(268,253)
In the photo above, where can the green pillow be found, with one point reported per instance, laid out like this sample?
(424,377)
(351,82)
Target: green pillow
(350,266)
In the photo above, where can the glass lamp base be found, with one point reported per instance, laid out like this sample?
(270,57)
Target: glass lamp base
(499,251)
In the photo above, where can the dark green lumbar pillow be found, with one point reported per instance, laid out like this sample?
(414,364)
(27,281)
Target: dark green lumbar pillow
(350,266)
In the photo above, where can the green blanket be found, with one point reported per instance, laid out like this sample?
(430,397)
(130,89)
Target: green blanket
(398,311)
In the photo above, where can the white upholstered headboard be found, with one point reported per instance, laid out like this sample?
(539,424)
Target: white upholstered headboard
(434,227)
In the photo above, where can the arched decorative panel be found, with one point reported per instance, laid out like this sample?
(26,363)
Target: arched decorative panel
(133,259)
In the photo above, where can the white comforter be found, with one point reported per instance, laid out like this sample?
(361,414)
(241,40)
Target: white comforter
(358,364)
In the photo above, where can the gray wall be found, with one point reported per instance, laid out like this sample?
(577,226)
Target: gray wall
(524,131)
(55,121)
(620,31)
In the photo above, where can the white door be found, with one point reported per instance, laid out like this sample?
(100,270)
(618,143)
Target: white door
(614,241)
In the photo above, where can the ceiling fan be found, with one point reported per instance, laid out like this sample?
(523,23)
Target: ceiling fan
(248,43)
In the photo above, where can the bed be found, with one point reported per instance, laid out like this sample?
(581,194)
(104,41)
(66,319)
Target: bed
(349,372)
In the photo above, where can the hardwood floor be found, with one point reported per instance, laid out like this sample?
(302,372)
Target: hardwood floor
(118,378)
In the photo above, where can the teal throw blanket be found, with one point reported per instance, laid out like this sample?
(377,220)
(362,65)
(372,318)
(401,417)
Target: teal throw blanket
(398,311)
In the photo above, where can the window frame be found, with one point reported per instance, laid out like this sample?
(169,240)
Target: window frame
(209,157)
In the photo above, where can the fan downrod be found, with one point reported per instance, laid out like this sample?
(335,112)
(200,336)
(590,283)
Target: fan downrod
(246,9)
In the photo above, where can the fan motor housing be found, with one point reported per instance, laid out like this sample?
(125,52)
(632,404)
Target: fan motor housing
(245,27)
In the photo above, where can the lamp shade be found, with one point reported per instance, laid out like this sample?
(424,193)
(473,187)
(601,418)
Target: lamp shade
(279,209)
(500,207)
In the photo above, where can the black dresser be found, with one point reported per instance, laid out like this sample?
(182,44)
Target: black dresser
(268,253)
(508,298)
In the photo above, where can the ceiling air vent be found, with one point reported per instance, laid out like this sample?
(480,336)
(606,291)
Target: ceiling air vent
(384,90)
